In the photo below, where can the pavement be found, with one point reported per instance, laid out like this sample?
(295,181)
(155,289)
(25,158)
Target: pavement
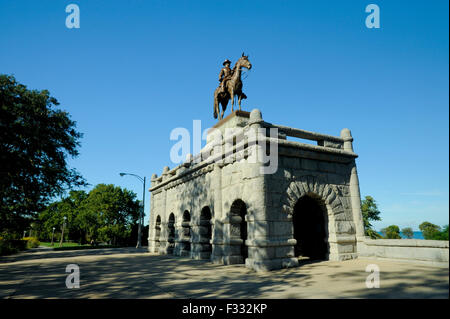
(135,273)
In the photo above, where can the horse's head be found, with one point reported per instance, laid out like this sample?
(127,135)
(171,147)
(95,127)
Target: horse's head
(244,62)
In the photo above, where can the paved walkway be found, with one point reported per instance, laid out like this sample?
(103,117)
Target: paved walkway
(131,273)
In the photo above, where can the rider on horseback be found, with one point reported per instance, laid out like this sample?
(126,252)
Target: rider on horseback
(225,75)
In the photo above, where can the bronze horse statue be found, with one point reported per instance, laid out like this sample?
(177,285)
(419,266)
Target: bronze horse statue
(233,88)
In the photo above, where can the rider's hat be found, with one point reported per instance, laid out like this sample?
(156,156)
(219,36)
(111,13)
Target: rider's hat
(226,61)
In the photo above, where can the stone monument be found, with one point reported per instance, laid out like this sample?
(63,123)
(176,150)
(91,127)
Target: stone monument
(226,205)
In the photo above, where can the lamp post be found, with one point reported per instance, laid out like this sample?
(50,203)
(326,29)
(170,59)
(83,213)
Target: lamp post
(141,215)
(62,233)
(53,233)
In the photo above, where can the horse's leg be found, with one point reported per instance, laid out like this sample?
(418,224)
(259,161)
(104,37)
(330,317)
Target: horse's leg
(224,106)
(216,105)
(232,100)
(239,101)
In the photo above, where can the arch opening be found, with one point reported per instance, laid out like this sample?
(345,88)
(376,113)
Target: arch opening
(238,212)
(205,230)
(310,223)
(171,234)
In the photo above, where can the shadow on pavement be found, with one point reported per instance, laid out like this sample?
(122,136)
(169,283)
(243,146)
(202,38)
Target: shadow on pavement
(131,273)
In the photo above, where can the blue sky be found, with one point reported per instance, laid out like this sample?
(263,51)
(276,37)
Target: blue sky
(135,70)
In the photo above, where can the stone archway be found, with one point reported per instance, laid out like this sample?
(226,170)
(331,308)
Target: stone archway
(157,233)
(171,234)
(334,201)
(310,223)
(238,211)
(205,233)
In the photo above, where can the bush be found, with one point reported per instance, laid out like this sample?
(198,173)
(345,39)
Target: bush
(11,246)
(6,248)
(32,242)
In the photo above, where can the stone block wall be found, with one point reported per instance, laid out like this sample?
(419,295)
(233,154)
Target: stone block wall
(431,252)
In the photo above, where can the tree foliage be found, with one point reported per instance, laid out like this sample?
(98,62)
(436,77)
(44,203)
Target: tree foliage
(391,232)
(35,141)
(433,232)
(444,234)
(106,214)
(408,232)
(370,213)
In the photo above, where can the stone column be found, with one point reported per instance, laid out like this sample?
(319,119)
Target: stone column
(355,195)
(178,243)
(151,224)
(183,239)
(217,235)
(200,244)
(164,235)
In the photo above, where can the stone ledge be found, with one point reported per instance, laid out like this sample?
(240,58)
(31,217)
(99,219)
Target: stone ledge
(407,243)
(270,242)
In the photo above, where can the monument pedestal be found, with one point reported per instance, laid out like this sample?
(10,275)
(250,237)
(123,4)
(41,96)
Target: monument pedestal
(268,200)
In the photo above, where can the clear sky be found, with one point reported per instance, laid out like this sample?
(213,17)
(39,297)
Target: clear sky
(135,70)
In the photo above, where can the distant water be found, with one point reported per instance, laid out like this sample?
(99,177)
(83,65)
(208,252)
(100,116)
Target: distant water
(417,235)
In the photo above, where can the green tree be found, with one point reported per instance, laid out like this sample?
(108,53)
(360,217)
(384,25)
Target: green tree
(408,232)
(53,216)
(106,214)
(433,232)
(35,141)
(370,213)
(443,235)
(113,213)
(391,232)
(429,230)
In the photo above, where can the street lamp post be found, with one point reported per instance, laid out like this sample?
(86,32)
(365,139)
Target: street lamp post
(141,212)
(53,233)
(62,233)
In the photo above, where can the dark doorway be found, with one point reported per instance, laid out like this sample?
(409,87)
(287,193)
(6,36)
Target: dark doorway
(171,234)
(239,209)
(310,229)
(205,229)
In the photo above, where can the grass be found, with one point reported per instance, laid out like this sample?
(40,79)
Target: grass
(75,246)
(65,244)
(79,247)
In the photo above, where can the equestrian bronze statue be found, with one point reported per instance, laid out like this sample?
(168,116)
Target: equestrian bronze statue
(230,86)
